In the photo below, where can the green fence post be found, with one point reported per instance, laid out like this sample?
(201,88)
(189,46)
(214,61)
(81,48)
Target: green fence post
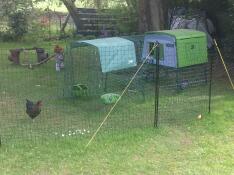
(210,85)
(156,112)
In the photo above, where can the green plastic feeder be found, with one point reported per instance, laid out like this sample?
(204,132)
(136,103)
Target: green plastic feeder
(80,90)
(110,98)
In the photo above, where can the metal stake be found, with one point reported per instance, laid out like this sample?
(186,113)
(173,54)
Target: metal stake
(156,103)
(210,86)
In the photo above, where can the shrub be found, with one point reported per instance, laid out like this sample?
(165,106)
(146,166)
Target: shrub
(7,36)
(18,24)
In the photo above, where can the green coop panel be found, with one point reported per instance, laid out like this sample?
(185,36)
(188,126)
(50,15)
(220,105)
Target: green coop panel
(179,47)
(191,51)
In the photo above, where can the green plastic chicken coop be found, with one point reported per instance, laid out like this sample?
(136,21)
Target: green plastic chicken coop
(178,48)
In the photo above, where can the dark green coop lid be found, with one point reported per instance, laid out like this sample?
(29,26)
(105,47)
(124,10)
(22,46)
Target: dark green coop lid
(179,33)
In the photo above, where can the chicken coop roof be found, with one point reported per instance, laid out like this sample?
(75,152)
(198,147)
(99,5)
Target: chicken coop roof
(115,53)
(179,33)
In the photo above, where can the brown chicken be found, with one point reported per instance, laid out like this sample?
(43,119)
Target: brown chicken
(33,109)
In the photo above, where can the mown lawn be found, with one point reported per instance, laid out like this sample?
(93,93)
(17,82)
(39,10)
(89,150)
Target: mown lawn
(204,147)
(185,145)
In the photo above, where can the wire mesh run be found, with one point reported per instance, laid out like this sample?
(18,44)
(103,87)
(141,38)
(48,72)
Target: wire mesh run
(76,100)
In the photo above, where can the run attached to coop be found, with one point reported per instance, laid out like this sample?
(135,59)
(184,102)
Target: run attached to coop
(100,66)
(105,66)
(184,89)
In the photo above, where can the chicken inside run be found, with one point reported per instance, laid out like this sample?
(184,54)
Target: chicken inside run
(135,81)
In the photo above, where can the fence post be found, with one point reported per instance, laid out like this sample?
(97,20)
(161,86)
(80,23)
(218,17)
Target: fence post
(49,23)
(210,83)
(156,103)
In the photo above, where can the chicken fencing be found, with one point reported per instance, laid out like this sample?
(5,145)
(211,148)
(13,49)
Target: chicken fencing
(61,99)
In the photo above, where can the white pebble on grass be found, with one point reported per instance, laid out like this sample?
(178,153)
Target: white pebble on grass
(63,135)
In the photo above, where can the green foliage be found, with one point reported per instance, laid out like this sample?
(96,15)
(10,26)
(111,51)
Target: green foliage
(18,24)
(7,36)
(208,5)
(127,19)
(9,6)
(214,6)
(34,34)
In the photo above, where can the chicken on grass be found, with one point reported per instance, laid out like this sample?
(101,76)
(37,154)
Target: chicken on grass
(33,109)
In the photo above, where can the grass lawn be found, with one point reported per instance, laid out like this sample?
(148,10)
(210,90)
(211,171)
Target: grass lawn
(185,145)
(204,147)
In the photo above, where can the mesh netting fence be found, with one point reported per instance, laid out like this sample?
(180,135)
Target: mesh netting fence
(76,99)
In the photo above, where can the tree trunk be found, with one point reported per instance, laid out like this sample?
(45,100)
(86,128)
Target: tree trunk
(157,14)
(73,11)
(152,15)
(62,31)
(144,16)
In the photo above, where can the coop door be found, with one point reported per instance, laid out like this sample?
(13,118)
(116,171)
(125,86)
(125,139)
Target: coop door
(167,54)
(153,53)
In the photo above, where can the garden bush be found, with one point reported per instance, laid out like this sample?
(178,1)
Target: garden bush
(18,24)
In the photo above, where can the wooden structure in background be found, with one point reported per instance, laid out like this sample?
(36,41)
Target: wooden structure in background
(97,22)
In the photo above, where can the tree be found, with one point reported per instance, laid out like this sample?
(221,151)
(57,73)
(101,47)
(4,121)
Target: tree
(66,21)
(18,24)
(72,9)
(15,12)
(152,14)
(143,16)
(8,7)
